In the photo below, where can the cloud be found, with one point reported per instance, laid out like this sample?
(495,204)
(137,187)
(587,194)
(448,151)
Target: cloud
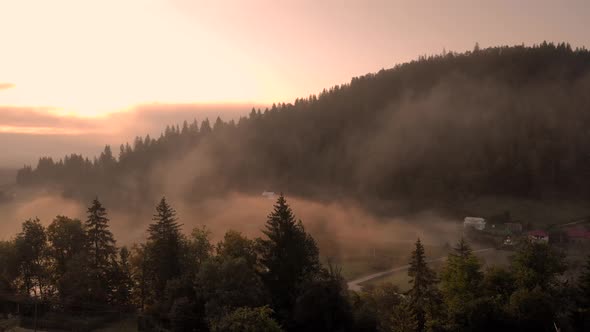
(27,119)
(24,129)
(5,86)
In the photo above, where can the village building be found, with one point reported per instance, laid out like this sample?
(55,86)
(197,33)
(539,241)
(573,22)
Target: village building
(269,194)
(474,222)
(513,227)
(578,235)
(538,236)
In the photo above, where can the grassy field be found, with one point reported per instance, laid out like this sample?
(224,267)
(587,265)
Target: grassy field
(371,260)
(401,279)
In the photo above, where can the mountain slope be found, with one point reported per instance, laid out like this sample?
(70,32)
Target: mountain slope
(500,121)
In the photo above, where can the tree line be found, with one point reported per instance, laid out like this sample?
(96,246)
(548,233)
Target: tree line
(496,121)
(277,282)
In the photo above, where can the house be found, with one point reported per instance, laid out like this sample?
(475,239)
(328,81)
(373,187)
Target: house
(513,227)
(578,234)
(474,222)
(269,194)
(538,236)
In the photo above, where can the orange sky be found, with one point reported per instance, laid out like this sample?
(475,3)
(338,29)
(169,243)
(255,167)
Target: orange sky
(95,57)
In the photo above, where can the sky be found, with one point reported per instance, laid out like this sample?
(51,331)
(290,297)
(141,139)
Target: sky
(66,62)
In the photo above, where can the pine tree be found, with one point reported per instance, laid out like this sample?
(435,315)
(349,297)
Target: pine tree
(288,255)
(101,251)
(101,244)
(164,247)
(423,294)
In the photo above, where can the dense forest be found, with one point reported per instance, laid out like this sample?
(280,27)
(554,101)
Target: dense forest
(72,275)
(497,121)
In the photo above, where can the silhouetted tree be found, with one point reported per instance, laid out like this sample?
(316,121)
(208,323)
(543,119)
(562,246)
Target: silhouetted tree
(289,257)
(31,251)
(164,248)
(101,251)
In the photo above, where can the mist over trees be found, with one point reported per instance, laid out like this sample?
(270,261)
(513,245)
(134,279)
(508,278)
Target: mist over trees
(76,277)
(497,121)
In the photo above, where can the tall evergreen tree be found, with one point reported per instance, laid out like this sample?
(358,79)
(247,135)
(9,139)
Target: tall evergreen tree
(101,251)
(101,243)
(289,257)
(423,294)
(164,247)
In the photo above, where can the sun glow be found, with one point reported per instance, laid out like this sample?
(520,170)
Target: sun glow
(92,58)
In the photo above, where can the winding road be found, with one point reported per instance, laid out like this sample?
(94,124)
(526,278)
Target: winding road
(355,285)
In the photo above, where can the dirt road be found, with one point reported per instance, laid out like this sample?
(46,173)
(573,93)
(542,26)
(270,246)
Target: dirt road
(355,284)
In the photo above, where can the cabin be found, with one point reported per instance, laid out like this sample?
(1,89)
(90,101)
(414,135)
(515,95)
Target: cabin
(513,227)
(269,194)
(538,236)
(474,222)
(578,235)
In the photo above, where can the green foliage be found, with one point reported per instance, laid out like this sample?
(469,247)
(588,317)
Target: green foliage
(499,284)
(67,238)
(401,318)
(229,283)
(532,309)
(199,245)
(461,281)
(382,308)
(323,304)
(247,320)
(235,245)
(537,265)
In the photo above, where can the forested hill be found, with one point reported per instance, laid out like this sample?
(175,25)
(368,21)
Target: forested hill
(501,121)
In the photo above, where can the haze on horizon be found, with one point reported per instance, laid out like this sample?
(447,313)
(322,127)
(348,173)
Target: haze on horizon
(65,62)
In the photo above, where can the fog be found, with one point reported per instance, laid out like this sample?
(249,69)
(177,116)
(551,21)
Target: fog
(340,228)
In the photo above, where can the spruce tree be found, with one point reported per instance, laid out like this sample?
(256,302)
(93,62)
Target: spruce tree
(423,294)
(164,247)
(101,252)
(289,257)
(101,244)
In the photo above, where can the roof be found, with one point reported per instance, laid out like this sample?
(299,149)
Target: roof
(539,233)
(578,232)
(474,219)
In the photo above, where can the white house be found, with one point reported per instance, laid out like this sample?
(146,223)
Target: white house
(269,194)
(474,222)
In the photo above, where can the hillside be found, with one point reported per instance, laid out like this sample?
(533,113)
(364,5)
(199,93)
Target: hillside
(503,121)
